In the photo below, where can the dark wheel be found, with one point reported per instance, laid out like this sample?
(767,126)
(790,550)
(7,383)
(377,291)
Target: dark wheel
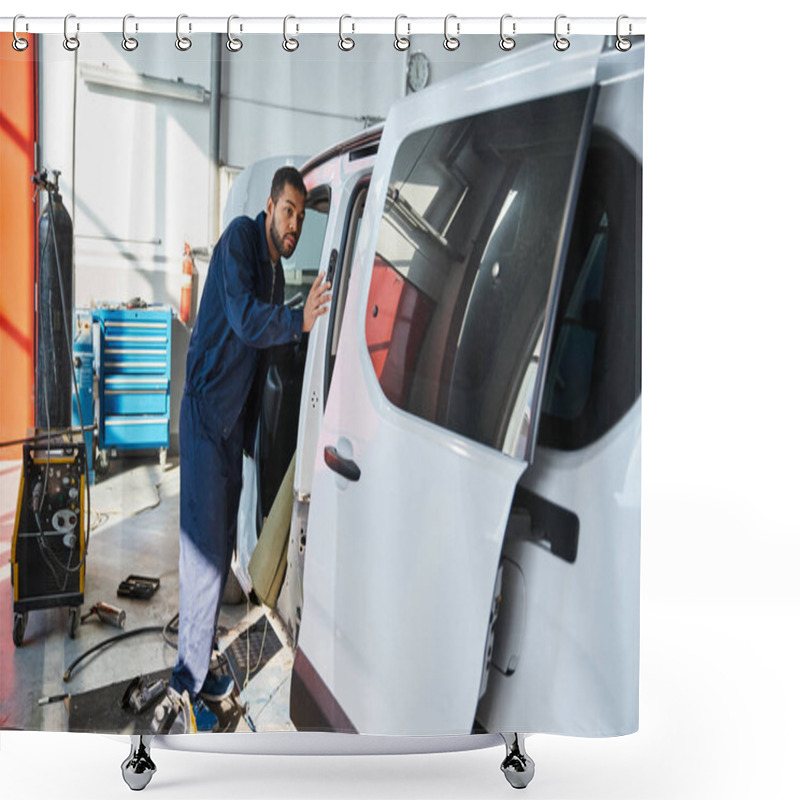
(20,621)
(74,621)
(101,462)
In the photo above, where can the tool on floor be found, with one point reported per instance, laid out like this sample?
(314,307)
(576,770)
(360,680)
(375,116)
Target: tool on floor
(43,701)
(107,613)
(138,587)
(173,714)
(142,693)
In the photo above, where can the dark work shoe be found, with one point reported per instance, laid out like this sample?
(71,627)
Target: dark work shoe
(216,687)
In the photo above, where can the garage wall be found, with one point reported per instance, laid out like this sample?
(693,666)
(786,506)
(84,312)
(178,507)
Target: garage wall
(276,102)
(135,164)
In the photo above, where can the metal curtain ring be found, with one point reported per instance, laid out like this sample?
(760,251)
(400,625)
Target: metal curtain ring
(561,43)
(19,44)
(289,44)
(183,43)
(128,42)
(233,44)
(507,42)
(345,42)
(451,42)
(623,45)
(71,43)
(400,42)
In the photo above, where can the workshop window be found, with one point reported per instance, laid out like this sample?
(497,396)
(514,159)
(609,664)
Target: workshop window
(465,257)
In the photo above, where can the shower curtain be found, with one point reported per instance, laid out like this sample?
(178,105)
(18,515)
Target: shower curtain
(452,452)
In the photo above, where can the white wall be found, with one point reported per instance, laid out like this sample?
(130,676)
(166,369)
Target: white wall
(274,102)
(135,164)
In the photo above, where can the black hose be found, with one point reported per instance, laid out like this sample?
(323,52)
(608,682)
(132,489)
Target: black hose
(67,334)
(107,643)
(162,629)
(46,437)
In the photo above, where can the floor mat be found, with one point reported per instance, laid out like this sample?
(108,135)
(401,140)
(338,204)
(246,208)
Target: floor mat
(264,643)
(99,710)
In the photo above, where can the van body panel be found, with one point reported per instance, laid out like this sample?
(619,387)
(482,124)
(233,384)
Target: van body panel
(621,88)
(577,667)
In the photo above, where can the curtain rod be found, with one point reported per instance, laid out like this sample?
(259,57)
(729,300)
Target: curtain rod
(349,25)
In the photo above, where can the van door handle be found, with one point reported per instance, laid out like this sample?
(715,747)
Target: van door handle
(341,465)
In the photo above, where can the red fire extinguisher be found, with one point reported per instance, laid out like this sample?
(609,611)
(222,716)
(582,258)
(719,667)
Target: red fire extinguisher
(186,284)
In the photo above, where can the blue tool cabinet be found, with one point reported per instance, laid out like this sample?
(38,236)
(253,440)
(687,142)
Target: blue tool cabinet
(134,362)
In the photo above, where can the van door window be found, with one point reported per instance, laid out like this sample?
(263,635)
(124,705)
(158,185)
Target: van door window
(465,256)
(304,265)
(342,278)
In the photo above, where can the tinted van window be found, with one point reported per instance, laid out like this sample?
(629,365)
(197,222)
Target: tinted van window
(465,257)
(595,370)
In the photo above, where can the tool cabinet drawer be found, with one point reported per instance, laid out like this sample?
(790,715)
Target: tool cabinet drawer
(132,395)
(136,431)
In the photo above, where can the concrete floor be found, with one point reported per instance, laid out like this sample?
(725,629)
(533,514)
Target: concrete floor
(135,523)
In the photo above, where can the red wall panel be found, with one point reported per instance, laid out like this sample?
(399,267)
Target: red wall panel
(17,242)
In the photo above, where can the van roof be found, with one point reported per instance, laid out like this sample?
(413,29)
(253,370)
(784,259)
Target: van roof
(366,140)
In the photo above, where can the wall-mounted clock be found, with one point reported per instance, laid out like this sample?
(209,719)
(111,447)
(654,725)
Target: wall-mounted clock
(419,71)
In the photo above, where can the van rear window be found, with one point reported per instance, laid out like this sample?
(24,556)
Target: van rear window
(595,370)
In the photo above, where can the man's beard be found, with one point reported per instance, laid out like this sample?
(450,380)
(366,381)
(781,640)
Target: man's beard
(284,250)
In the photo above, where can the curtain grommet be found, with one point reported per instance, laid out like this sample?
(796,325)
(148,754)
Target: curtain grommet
(622,44)
(129,43)
(19,43)
(507,42)
(289,44)
(183,43)
(233,44)
(345,42)
(451,43)
(71,43)
(561,43)
(401,42)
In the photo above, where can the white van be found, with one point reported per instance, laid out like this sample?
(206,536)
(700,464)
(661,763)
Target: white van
(464,547)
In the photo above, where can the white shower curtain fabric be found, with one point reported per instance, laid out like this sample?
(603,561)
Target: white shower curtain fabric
(462,553)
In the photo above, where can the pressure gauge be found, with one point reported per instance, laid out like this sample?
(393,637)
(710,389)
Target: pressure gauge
(418,71)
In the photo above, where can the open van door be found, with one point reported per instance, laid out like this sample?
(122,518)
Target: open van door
(337,183)
(438,378)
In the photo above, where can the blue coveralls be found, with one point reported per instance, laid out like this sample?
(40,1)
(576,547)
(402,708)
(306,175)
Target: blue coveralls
(241,313)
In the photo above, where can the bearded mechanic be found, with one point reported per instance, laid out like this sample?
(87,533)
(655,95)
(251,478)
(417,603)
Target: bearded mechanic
(241,316)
